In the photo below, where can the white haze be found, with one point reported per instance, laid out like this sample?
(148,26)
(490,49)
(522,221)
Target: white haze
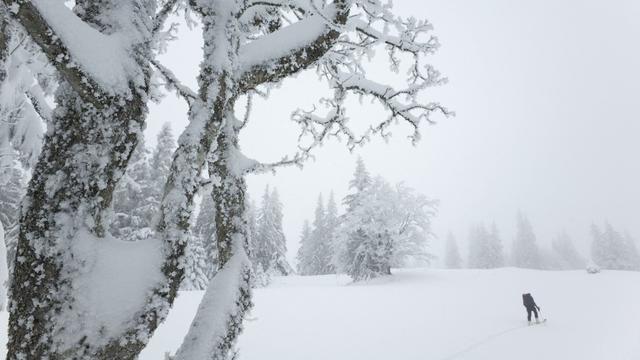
(546,96)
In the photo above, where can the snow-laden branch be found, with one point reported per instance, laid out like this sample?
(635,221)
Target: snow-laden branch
(293,48)
(162,15)
(39,103)
(92,63)
(401,104)
(172,82)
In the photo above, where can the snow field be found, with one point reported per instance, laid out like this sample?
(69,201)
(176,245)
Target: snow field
(433,314)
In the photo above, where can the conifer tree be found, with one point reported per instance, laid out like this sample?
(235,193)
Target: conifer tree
(452,259)
(161,164)
(612,250)
(525,248)
(205,230)
(566,252)
(271,247)
(132,213)
(12,189)
(304,251)
(479,239)
(495,250)
(197,265)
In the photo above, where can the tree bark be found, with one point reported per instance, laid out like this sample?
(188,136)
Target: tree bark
(84,155)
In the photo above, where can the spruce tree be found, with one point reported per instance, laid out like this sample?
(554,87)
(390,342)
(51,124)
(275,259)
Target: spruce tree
(12,189)
(196,266)
(320,258)
(132,214)
(566,253)
(161,165)
(495,248)
(479,239)
(304,251)
(271,247)
(612,250)
(452,259)
(205,230)
(332,222)
(525,248)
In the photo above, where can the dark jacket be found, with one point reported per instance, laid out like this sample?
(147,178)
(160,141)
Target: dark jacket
(528,302)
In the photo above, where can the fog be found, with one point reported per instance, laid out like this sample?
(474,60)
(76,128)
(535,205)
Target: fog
(547,122)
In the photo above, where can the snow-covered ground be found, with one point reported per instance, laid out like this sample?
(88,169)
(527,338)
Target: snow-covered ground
(433,314)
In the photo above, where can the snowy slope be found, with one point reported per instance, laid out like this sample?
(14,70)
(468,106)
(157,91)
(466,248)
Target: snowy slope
(433,314)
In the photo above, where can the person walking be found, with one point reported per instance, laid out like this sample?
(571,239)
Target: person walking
(532,307)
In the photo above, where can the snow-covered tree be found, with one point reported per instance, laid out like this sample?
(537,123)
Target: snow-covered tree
(271,244)
(331,225)
(485,248)
(12,189)
(478,248)
(382,227)
(99,51)
(496,250)
(26,80)
(612,250)
(304,251)
(197,265)
(160,163)
(525,252)
(132,208)
(315,256)
(452,259)
(205,230)
(103,52)
(566,252)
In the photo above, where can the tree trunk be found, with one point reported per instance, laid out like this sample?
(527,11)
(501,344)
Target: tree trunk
(85,153)
(218,321)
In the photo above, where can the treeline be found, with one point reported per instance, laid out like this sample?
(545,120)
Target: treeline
(136,205)
(610,249)
(383,226)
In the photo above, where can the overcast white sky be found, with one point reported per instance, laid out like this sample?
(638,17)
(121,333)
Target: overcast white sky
(546,95)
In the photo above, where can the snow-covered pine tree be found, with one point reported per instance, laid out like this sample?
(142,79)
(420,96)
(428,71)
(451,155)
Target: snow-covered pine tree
(197,265)
(320,256)
(479,239)
(160,164)
(495,248)
(12,190)
(332,223)
(205,230)
(612,250)
(316,253)
(132,210)
(566,252)
(271,244)
(304,251)
(525,253)
(452,259)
